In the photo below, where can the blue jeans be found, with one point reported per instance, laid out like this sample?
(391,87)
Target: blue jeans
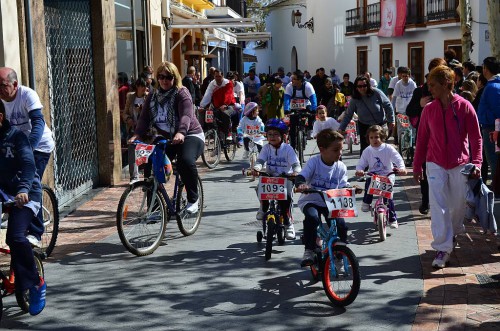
(489,149)
(368,198)
(22,259)
(312,214)
(36,227)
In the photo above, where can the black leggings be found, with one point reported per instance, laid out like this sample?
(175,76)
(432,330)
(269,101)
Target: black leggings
(294,122)
(246,141)
(187,153)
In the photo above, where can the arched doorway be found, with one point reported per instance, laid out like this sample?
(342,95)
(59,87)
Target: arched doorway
(295,62)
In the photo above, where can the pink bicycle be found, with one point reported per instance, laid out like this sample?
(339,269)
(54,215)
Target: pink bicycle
(351,137)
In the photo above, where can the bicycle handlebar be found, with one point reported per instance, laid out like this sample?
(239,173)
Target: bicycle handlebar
(10,203)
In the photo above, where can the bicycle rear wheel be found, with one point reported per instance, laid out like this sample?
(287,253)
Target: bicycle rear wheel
(342,287)
(230,148)
(381,224)
(253,160)
(188,223)
(300,146)
(23,298)
(50,214)
(141,229)
(212,149)
(269,237)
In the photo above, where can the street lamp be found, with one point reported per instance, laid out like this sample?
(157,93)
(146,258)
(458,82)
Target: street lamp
(297,18)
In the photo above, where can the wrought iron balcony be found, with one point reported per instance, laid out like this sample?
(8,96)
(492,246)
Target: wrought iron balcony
(373,16)
(438,10)
(353,20)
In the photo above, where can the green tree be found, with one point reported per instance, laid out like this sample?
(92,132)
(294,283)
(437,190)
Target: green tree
(256,9)
(494,27)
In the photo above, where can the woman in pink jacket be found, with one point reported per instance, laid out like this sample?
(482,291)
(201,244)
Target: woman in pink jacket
(448,130)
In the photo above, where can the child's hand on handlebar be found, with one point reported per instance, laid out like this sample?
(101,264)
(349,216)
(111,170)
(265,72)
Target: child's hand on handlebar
(301,187)
(357,189)
(360,173)
(400,172)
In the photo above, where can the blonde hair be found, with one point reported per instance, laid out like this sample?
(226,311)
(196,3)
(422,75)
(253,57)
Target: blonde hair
(444,75)
(170,68)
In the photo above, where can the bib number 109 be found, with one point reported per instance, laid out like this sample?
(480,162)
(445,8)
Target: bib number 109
(272,188)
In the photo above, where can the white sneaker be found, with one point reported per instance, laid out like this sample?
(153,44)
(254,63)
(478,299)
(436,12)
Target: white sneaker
(307,258)
(365,207)
(192,207)
(290,232)
(34,241)
(246,154)
(4,225)
(394,225)
(134,180)
(441,259)
(260,215)
(229,138)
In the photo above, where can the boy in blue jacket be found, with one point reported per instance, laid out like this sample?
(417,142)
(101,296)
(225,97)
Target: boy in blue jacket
(18,179)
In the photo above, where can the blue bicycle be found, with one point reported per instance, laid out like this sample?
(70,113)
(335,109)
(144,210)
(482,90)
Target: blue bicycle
(335,263)
(145,207)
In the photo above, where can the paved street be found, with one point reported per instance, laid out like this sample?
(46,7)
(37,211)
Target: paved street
(218,278)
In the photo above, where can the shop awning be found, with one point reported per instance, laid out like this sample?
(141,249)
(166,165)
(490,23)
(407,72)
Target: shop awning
(225,22)
(249,58)
(253,36)
(221,34)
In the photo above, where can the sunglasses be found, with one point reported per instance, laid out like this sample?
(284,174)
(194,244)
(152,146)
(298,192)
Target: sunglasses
(167,77)
(361,86)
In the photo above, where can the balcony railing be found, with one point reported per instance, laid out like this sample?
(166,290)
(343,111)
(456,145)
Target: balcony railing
(438,10)
(435,11)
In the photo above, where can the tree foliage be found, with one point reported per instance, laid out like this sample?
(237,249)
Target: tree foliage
(256,9)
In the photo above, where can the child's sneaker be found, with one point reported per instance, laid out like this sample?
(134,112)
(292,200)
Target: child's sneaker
(394,225)
(441,259)
(229,137)
(307,258)
(290,232)
(37,297)
(34,241)
(260,215)
(365,207)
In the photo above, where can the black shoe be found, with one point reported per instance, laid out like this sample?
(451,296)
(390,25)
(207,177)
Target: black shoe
(423,209)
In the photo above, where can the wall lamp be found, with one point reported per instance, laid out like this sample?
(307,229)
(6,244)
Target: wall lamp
(297,18)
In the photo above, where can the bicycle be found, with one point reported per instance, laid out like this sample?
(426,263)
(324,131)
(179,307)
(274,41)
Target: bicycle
(215,141)
(253,152)
(273,189)
(335,263)
(351,137)
(50,214)
(300,131)
(406,139)
(145,207)
(381,186)
(8,286)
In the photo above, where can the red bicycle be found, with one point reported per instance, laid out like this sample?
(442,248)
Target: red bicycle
(8,287)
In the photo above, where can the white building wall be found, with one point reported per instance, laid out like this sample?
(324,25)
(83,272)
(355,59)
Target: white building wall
(328,46)
(9,37)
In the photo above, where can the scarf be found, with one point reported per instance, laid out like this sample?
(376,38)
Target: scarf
(165,99)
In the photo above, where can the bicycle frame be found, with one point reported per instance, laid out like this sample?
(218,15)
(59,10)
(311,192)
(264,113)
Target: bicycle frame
(330,239)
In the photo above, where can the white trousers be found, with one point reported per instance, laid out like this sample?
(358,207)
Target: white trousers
(447,201)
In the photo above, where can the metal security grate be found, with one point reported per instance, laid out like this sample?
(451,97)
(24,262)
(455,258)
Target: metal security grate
(486,281)
(72,101)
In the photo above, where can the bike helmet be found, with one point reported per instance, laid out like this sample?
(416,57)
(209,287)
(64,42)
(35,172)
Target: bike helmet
(276,124)
(249,108)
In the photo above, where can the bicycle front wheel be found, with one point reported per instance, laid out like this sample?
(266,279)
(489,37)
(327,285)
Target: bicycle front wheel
(253,160)
(300,146)
(188,223)
(269,236)
(230,148)
(50,214)
(381,224)
(212,149)
(342,286)
(23,298)
(141,228)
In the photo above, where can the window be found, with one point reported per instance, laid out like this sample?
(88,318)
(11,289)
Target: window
(456,45)
(362,66)
(416,61)
(385,57)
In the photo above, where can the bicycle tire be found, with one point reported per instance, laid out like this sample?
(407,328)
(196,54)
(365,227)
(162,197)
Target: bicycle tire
(188,223)
(23,298)
(280,234)
(141,231)
(300,147)
(401,145)
(269,237)
(230,148)
(381,225)
(349,144)
(316,267)
(342,290)
(211,150)
(50,214)
(253,160)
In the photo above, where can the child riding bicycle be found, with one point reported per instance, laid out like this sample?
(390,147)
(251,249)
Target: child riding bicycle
(20,180)
(250,127)
(279,158)
(324,122)
(321,172)
(380,158)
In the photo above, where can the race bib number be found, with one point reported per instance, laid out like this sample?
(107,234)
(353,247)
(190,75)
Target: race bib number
(252,130)
(382,186)
(297,104)
(209,116)
(403,120)
(351,127)
(272,188)
(142,153)
(341,202)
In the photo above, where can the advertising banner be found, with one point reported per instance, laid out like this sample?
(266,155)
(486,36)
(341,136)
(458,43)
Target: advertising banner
(392,18)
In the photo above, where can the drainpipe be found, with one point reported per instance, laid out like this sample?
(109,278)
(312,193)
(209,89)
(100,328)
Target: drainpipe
(134,39)
(29,44)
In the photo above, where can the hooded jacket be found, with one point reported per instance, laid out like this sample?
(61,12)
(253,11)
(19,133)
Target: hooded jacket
(444,135)
(489,105)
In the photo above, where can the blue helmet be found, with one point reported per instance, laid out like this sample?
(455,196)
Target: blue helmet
(276,124)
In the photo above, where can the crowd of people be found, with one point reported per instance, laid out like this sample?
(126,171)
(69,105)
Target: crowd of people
(452,113)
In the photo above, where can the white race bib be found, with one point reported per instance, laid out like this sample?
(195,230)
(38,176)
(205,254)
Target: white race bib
(341,202)
(272,188)
(382,186)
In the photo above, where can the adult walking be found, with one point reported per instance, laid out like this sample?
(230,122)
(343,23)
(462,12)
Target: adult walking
(372,106)
(448,130)
(169,109)
(24,112)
